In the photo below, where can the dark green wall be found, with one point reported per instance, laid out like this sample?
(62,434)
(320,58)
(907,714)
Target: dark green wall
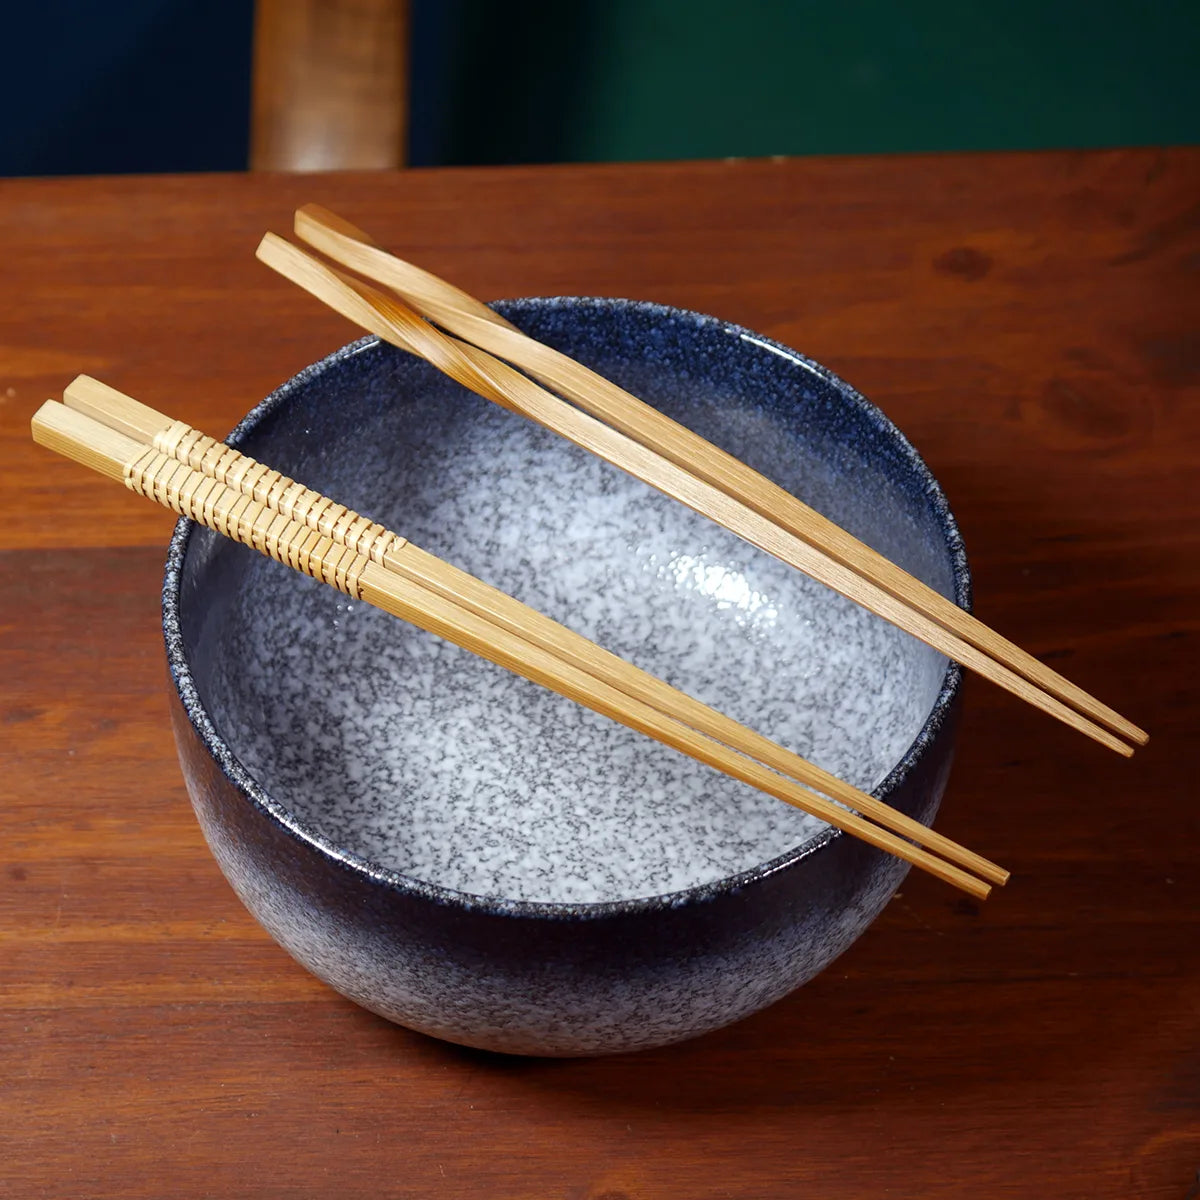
(638,79)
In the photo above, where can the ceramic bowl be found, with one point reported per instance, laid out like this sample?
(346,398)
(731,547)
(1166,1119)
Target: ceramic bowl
(478,859)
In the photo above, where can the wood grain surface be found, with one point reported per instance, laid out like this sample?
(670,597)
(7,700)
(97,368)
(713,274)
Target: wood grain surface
(1029,320)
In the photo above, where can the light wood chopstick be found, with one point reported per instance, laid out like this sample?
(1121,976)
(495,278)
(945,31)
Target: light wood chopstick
(357,568)
(494,379)
(177,440)
(461,314)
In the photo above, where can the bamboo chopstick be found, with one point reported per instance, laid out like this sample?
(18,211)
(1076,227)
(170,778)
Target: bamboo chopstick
(393,321)
(468,318)
(177,440)
(357,569)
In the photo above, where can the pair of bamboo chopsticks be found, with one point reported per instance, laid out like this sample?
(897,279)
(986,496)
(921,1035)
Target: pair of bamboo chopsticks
(659,451)
(219,487)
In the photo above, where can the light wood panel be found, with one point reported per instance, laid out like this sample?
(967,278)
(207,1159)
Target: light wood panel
(330,85)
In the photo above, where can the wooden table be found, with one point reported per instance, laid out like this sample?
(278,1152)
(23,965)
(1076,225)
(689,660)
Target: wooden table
(1029,320)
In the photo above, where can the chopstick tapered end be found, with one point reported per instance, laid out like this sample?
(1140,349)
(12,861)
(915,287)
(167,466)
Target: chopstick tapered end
(974,887)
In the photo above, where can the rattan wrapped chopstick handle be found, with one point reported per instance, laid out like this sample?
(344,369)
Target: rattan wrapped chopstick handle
(306,507)
(178,440)
(116,451)
(117,411)
(246,519)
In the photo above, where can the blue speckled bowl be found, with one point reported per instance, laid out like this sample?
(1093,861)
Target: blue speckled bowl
(412,878)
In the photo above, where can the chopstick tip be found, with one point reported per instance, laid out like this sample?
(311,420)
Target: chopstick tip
(990,872)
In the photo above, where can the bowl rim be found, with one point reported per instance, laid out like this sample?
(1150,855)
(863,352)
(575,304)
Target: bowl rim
(258,797)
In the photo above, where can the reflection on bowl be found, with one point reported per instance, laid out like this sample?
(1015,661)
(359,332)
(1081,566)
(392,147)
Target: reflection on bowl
(482,860)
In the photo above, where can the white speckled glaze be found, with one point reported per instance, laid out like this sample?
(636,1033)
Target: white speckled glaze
(325,740)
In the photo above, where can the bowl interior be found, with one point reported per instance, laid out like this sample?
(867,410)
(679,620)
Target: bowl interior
(413,755)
